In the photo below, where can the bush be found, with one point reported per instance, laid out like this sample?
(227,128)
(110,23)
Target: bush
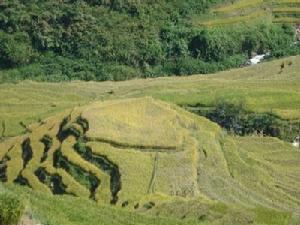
(229,116)
(119,72)
(15,50)
(149,205)
(11,208)
(46,41)
(236,119)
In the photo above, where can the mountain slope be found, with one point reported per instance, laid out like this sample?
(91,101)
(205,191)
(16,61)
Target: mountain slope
(260,88)
(121,39)
(155,157)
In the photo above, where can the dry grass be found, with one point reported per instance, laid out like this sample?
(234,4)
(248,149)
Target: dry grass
(205,166)
(260,87)
(253,10)
(135,168)
(15,165)
(149,142)
(287,1)
(287,20)
(286,10)
(103,191)
(129,122)
(242,4)
(258,15)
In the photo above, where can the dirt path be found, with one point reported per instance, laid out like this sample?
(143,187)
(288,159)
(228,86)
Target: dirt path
(28,220)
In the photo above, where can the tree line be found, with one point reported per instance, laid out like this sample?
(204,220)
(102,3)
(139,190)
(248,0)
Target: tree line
(122,39)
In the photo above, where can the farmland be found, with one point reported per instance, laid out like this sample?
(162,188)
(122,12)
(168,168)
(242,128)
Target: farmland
(196,162)
(274,91)
(281,11)
(122,112)
(89,139)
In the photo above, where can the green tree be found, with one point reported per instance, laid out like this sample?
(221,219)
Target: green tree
(15,50)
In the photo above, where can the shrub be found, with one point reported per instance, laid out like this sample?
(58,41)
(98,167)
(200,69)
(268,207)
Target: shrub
(236,119)
(149,205)
(69,41)
(119,72)
(15,50)
(11,208)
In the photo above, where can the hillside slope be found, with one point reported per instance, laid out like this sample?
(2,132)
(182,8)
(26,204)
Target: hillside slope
(243,11)
(154,158)
(261,88)
(121,39)
(106,143)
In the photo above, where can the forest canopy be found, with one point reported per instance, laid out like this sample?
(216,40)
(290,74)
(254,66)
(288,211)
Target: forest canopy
(52,40)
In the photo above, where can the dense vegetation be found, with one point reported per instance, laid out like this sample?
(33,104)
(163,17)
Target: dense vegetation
(118,40)
(11,208)
(239,121)
(70,211)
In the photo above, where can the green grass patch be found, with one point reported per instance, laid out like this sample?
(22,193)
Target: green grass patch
(262,89)
(12,208)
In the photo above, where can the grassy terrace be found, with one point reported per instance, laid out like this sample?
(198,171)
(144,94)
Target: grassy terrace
(261,88)
(103,156)
(253,16)
(238,5)
(102,143)
(279,11)
(129,152)
(48,210)
(228,180)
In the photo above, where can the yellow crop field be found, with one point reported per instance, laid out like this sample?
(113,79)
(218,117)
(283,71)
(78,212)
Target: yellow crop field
(242,4)
(129,145)
(258,15)
(68,155)
(151,148)
(251,11)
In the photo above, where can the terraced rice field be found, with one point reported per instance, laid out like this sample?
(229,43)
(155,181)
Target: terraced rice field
(157,155)
(238,5)
(279,11)
(146,160)
(253,16)
(88,151)
(261,89)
